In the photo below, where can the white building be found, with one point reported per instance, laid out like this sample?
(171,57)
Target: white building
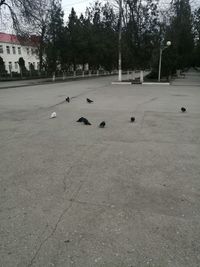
(11,49)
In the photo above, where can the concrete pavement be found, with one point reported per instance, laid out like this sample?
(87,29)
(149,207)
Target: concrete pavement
(79,196)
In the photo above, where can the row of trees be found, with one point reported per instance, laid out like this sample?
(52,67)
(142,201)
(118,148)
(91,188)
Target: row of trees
(92,38)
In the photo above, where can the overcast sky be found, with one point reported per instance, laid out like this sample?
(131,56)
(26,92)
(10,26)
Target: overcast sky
(79,6)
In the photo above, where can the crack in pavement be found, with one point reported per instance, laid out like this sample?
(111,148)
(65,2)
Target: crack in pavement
(145,102)
(72,201)
(70,169)
(56,225)
(65,177)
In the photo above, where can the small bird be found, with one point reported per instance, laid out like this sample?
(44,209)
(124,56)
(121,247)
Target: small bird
(67,99)
(132,119)
(183,109)
(80,119)
(89,100)
(102,124)
(86,122)
(53,115)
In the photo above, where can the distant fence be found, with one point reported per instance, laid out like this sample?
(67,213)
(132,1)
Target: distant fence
(82,74)
(62,75)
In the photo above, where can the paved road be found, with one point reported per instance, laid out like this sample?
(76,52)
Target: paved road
(80,196)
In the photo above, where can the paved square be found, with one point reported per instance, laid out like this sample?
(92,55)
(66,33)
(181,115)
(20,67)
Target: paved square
(127,195)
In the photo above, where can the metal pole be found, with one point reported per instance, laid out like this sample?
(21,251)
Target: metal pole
(54,77)
(160,63)
(120,44)
(141,76)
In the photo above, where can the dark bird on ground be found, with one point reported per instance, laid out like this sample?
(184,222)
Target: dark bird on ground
(183,109)
(89,100)
(132,119)
(80,119)
(86,122)
(67,99)
(102,124)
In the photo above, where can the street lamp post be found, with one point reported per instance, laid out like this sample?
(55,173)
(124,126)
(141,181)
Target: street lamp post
(160,58)
(120,42)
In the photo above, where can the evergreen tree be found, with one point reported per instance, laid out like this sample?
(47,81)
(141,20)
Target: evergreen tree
(196,23)
(103,36)
(22,67)
(55,36)
(2,66)
(140,32)
(75,39)
(180,33)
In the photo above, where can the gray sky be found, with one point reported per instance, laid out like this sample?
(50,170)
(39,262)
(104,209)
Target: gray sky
(79,6)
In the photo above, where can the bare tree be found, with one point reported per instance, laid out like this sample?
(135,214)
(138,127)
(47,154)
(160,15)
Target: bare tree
(42,18)
(20,11)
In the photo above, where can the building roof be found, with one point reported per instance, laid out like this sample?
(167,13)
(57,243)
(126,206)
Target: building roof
(33,40)
(8,38)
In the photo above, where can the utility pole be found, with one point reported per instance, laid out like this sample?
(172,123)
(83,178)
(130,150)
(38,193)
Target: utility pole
(120,42)
(160,63)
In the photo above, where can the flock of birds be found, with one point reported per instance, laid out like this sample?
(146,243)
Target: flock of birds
(84,120)
(103,123)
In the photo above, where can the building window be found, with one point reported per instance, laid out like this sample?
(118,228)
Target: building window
(16,65)
(29,65)
(38,65)
(1,49)
(19,50)
(10,65)
(32,51)
(14,50)
(8,49)
(27,49)
(36,52)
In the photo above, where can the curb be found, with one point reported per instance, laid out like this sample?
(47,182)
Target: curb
(125,83)
(154,83)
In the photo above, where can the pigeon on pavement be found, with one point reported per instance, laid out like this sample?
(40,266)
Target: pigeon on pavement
(183,109)
(80,119)
(86,122)
(132,119)
(89,101)
(102,124)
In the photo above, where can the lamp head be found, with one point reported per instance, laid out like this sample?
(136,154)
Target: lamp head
(169,43)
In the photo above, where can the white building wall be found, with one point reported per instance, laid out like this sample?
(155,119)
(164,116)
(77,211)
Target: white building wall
(14,57)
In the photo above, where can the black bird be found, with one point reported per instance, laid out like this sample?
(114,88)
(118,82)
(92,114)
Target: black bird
(89,100)
(132,119)
(86,122)
(80,119)
(102,124)
(67,99)
(183,109)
